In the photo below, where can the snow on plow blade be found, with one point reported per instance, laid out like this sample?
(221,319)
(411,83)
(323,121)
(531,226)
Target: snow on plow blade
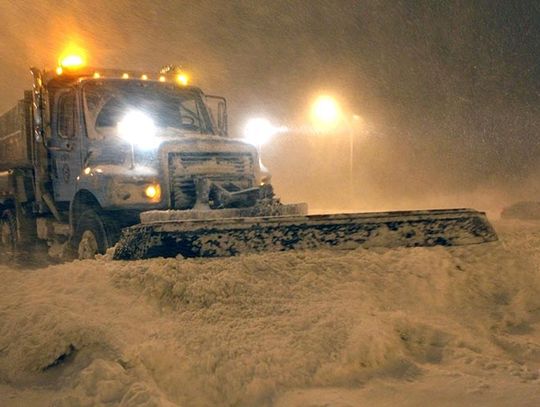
(233,236)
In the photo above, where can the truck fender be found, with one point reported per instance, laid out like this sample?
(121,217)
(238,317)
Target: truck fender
(82,200)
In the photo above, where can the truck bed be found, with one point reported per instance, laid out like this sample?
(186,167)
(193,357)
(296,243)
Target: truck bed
(15,133)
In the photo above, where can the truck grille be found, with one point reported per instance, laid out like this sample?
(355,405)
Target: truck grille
(212,163)
(232,170)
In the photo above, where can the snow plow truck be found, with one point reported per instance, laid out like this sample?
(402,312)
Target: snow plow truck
(92,158)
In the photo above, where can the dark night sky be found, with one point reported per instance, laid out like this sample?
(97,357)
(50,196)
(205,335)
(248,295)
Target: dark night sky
(451,88)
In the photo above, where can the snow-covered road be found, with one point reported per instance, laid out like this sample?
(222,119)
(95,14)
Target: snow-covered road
(438,326)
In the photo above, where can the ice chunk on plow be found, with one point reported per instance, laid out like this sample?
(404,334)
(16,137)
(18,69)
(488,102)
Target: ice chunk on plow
(233,236)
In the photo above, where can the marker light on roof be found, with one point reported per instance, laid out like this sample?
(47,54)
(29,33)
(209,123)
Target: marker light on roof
(182,79)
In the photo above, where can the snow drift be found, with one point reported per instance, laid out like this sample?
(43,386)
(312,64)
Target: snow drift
(283,329)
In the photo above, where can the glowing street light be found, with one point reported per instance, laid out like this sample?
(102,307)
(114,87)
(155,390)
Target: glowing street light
(326,113)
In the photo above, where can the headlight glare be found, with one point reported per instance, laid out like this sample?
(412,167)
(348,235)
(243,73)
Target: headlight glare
(138,129)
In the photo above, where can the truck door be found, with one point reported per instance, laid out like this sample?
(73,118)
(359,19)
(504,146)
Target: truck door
(65,145)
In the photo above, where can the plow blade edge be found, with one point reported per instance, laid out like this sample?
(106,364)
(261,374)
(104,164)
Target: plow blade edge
(233,236)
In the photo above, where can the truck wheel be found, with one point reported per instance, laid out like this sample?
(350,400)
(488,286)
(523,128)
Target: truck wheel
(91,236)
(8,235)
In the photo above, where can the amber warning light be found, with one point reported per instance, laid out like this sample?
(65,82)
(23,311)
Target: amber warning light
(70,61)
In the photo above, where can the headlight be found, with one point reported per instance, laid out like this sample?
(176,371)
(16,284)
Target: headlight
(138,129)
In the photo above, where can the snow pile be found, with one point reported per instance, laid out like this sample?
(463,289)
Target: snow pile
(278,329)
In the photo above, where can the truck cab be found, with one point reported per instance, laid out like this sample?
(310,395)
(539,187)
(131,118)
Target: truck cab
(106,145)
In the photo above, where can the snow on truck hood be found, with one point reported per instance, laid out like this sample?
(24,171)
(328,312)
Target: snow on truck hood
(201,142)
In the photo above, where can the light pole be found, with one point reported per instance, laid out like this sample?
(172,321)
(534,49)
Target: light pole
(327,116)
(351,158)
(354,124)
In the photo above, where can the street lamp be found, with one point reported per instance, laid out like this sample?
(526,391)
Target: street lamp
(327,115)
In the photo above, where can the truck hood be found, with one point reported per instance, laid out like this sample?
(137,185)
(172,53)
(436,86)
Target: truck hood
(174,139)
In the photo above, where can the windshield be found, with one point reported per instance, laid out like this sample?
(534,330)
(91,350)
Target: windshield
(108,101)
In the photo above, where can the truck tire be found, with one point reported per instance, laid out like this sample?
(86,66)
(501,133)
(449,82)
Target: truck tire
(8,235)
(92,235)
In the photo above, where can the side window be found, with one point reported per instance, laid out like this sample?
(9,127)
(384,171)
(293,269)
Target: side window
(66,115)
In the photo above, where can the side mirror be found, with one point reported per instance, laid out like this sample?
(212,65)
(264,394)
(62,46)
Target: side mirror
(222,118)
(37,104)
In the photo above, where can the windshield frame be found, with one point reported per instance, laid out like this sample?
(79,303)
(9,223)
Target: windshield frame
(91,116)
